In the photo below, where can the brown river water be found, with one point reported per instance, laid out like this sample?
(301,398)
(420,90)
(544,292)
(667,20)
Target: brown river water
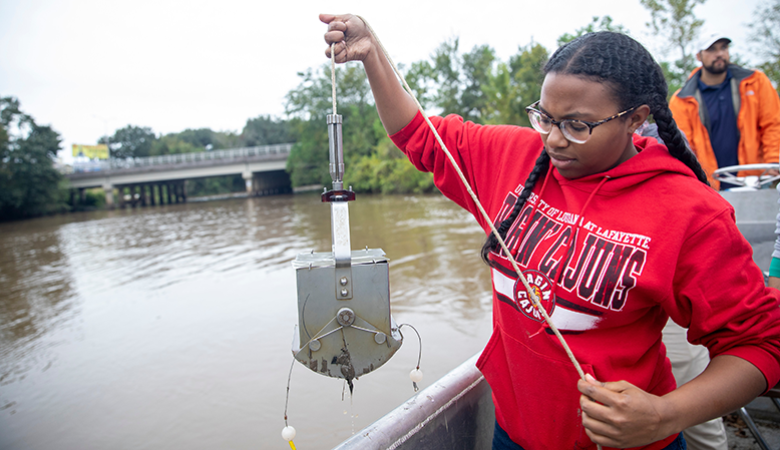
(171,327)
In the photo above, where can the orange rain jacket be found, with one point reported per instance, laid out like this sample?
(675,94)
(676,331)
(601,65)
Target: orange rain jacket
(758,119)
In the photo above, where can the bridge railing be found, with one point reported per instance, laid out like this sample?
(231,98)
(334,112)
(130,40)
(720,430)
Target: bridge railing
(180,158)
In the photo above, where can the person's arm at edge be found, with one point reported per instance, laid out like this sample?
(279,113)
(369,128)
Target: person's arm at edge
(774,265)
(354,42)
(769,120)
(774,282)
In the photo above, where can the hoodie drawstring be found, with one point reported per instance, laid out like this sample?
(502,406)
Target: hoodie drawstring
(568,245)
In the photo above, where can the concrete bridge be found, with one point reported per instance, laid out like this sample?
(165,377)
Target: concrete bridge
(161,179)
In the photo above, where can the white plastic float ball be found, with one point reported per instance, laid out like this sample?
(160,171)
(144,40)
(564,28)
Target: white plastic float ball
(416,375)
(288,433)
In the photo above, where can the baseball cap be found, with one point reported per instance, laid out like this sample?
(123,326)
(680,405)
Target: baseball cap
(709,39)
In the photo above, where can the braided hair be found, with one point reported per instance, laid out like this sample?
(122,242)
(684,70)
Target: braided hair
(626,68)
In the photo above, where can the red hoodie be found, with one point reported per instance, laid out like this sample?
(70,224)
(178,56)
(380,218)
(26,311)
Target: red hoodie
(646,240)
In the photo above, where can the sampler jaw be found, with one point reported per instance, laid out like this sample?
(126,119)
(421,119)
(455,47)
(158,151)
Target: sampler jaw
(338,337)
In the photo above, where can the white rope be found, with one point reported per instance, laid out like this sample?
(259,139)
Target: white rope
(333,76)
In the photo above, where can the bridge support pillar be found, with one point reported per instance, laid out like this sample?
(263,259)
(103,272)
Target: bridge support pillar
(256,183)
(184,191)
(121,196)
(152,199)
(177,188)
(248,181)
(108,189)
(143,198)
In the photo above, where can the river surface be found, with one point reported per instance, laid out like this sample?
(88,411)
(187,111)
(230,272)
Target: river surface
(170,327)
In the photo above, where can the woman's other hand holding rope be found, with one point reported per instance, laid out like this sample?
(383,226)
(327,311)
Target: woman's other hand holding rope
(619,414)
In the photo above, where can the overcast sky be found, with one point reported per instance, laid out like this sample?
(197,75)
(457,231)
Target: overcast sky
(88,68)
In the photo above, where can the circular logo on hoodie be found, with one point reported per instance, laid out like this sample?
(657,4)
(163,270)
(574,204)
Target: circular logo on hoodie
(542,287)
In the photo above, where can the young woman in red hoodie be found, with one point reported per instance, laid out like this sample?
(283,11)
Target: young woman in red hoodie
(620,234)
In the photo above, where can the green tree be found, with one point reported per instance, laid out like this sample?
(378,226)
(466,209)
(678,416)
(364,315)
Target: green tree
(515,85)
(455,83)
(198,137)
(308,160)
(266,130)
(477,69)
(29,182)
(172,144)
(209,139)
(421,78)
(311,99)
(676,20)
(765,32)
(130,142)
(446,67)
(596,24)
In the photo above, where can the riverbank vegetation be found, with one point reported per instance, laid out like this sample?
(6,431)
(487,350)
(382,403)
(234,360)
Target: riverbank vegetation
(29,183)
(475,84)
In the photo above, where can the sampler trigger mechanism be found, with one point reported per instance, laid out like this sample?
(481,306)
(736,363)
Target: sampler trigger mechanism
(344,324)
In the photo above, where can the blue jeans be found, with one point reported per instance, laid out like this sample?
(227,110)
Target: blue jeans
(501,441)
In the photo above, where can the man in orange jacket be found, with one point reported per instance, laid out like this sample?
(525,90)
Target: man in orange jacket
(730,115)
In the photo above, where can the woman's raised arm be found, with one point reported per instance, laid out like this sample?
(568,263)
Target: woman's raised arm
(354,42)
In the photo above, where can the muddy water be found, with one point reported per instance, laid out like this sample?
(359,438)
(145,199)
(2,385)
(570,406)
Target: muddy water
(171,327)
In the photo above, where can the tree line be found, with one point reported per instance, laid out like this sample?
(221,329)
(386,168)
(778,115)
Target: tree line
(474,84)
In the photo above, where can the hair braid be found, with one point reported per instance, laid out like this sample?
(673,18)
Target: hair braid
(540,170)
(672,136)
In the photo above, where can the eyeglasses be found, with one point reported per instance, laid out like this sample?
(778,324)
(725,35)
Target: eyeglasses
(576,131)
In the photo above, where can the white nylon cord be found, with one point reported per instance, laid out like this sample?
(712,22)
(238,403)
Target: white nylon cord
(333,76)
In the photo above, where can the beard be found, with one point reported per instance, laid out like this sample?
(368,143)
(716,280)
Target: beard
(717,67)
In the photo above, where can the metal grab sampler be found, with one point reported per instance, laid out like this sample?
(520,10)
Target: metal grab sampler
(344,325)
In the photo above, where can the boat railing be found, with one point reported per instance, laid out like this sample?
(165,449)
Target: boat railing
(763,176)
(455,413)
(225,155)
